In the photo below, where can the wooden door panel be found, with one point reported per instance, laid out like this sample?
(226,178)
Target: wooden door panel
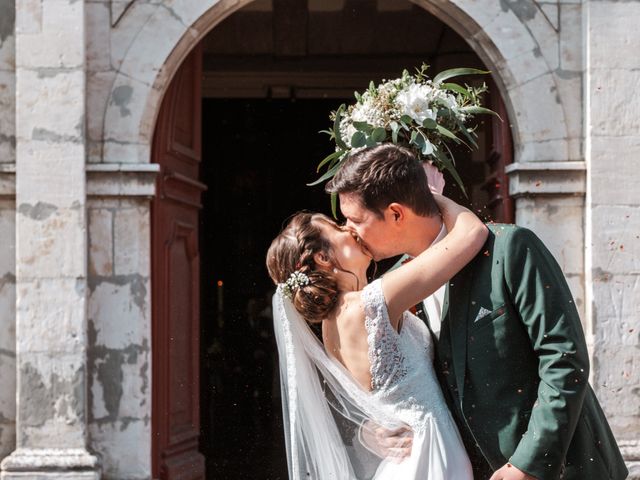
(176,279)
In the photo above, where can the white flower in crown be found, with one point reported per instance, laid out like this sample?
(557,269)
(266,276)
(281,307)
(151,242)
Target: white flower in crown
(414,101)
(294,282)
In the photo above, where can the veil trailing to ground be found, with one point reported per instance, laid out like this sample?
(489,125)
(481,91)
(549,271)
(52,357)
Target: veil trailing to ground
(326,413)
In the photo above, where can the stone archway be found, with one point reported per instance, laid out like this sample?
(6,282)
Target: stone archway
(506,38)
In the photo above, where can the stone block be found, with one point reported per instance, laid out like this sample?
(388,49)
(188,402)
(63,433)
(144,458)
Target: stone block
(616,371)
(569,92)
(7,117)
(29,17)
(51,315)
(100,242)
(132,241)
(614,170)
(7,237)
(7,52)
(126,102)
(614,112)
(98,31)
(571,37)
(51,173)
(538,106)
(50,107)
(615,241)
(521,69)
(558,222)
(552,149)
(55,385)
(119,312)
(120,444)
(615,308)
(126,31)
(51,243)
(509,34)
(60,41)
(614,35)
(98,88)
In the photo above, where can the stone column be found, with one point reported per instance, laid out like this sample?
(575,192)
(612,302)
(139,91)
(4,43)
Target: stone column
(613,215)
(550,201)
(51,244)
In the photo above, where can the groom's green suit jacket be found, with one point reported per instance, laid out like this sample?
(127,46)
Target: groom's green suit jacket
(513,363)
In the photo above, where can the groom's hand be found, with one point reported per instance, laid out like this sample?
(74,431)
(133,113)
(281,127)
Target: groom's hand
(392,444)
(509,472)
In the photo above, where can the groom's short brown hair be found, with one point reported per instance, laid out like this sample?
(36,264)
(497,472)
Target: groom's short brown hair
(382,175)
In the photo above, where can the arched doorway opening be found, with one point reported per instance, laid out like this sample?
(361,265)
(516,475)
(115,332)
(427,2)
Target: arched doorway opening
(236,151)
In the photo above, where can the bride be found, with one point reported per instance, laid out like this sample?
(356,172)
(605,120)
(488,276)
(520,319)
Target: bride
(371,378)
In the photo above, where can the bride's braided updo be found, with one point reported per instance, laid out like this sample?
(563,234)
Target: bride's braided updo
(293,251)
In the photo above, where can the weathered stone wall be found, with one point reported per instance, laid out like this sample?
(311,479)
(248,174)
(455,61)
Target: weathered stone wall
(7,230)
(613,214)
(50,233)
(7,327)
(119,351)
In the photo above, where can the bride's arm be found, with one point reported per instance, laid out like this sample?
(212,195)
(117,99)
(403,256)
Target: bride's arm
(413,281)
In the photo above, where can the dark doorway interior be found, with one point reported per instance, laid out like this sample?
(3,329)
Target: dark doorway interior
(258,156)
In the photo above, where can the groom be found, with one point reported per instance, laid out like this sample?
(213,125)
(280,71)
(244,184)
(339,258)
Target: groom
(510,352)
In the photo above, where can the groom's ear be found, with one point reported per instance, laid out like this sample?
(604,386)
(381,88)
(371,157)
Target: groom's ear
(395,213)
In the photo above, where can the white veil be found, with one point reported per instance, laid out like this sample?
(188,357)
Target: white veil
(324,409)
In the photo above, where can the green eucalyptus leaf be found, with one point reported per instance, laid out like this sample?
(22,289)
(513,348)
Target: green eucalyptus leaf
(476,110)
(465,131)
(394,135)
(336,128)
(330,173)
(335,155)
(456,72)
(334,205)
(429,123)
(379,134)
(363,127)
(358,140)
(454,87)
(447,133)
(406,119)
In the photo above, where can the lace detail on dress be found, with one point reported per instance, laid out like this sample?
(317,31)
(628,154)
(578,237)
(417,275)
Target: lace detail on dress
(386,360)
(401,364)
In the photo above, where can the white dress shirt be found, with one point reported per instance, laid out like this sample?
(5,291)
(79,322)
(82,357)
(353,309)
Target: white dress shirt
(433,303)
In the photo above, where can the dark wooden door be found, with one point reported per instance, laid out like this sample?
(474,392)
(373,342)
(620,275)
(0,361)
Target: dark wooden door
(499,155)
(175,279)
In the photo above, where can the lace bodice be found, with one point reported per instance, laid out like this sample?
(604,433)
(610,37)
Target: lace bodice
(401,363)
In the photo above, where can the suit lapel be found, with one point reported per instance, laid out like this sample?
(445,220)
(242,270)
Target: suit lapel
(459,288)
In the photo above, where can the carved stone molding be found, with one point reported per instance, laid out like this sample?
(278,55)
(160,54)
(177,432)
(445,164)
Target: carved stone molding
(74,463)
(546,178)
(122,179)
(7,180)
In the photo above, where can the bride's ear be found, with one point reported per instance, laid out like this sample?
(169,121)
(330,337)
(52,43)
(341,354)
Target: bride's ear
(322,260)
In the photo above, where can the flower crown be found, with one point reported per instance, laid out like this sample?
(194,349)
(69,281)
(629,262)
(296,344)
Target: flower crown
(296,280)
(415,111)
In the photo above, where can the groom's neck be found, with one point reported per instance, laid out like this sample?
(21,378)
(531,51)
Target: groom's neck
(424,231)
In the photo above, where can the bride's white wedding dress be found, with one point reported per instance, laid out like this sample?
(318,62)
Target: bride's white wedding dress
(404,383)
(326,413)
